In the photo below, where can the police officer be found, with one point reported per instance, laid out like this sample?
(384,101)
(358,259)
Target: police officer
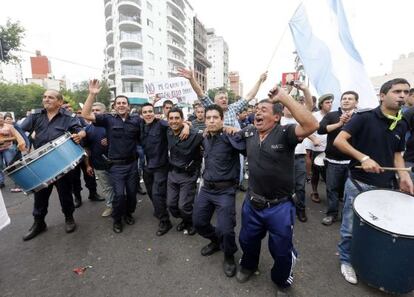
(122,133)
(372,138)
(48,124)
(185,163)
(155,145)
(268,206)
(217,194)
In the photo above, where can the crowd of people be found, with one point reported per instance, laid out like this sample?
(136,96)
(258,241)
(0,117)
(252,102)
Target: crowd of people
(192,168)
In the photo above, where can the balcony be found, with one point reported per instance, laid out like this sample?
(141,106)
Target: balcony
(178,6)
(132,73)
(110,50)
(111,74)
(129,23)
(108,23)
(110,37)
(129,6)
(132,58)
(130,40)
(111,62)
(111,83)
(175,32)
(176,46)
(176,58)
(173,18)
(108,9)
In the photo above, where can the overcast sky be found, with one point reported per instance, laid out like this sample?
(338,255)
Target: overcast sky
(75,31)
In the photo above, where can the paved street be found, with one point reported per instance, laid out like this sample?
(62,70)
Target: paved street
(138,263)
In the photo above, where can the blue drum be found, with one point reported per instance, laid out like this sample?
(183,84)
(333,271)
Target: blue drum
(383,240)
(46,164)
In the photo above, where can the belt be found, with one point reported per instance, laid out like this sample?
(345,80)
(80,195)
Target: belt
(219,185)
(260,202)
(119,161)
(299,156)
(182,170)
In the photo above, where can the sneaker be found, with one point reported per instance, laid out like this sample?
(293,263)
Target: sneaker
(329,220)
(107,212)
(349,273)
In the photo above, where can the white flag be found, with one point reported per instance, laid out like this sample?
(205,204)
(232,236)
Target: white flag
(324,45)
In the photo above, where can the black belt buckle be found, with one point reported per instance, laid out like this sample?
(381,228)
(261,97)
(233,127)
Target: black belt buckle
(258,203)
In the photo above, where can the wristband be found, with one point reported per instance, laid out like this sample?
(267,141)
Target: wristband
(364,159)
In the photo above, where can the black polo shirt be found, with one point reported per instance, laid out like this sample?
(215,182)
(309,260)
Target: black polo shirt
(221,157)
(185,153)
(409,151)
(331,151)
(271,162)
(370,134)
(122,134)
(46,130)
(155,144)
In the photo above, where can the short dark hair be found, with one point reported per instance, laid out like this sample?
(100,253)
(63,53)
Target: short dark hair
(277,107)
(176,109)
(146,104)
(215,107)
(389,84)
(350,93)
(8,115)
(411,91)
(167,102)
(121,96)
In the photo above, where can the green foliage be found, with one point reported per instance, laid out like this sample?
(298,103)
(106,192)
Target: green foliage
(12,34)
(20,98)
(230,94)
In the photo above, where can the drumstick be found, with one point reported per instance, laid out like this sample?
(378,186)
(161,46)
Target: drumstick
(393,168)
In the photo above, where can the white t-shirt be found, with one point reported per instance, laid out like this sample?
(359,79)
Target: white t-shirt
(322,138)
(300,147)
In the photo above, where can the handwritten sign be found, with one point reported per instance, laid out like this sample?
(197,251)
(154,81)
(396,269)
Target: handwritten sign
(178,88)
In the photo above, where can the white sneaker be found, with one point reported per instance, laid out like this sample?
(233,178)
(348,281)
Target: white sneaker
(107,212)
(349,274)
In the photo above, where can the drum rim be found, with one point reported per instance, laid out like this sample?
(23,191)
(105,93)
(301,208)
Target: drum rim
(58,176)
(19,163)
(376,227)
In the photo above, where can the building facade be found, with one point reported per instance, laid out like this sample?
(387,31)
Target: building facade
(201,63)
(235,83)
(218,55)
(146,41)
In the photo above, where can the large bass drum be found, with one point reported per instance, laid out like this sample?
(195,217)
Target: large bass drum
(383,240)
(46,164)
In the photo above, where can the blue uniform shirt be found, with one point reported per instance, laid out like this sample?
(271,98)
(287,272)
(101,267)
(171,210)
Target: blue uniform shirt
(122,135)
(221,157)
(185,153)
(93,138)
(370,134)
(155,144)
(46,130)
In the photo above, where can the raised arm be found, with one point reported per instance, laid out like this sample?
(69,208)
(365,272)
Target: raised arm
(94,88)
(188,74)
(256,87)
(307,124)
(306,93)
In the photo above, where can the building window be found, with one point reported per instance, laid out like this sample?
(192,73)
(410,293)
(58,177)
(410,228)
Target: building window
(151,40)
(151,56)
(132,87)
(149,23)
(151,71)
(149,6)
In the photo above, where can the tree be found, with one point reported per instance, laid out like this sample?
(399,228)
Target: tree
(20,98)
(11,35)
(230,94)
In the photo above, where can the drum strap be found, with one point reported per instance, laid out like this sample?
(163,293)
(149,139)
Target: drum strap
(356,184)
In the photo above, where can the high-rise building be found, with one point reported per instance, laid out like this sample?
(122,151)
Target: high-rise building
(218,55)
(200,54)
(40,66)
(146,41)
(235,83)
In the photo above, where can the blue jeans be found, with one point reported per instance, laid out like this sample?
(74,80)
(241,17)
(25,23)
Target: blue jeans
(300,180)
(350,192)
(336,175)
(6,157)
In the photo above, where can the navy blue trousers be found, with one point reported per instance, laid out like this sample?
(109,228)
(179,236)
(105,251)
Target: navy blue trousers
(124,183)
(156,184)
(278,221)
(223,202)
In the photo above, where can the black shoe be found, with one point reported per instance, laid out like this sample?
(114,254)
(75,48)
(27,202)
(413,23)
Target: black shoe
(78,200)
(93,196)
(181,226)
(38,227)
(117,227)
(70,224)
(243,274)
(242,188)
(190,229)
(210,249)
(141,191)
(129,219)
(301,213)
(229,266)
(164,227)
(2,185)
